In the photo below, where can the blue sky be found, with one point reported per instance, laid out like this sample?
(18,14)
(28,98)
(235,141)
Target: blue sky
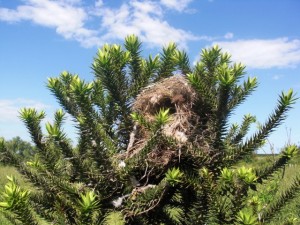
(41,38)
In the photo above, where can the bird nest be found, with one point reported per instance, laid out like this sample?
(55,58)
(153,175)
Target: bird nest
(177,95)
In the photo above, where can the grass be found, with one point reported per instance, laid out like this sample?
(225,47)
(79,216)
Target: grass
(279,182)
(7,171)
(292,209)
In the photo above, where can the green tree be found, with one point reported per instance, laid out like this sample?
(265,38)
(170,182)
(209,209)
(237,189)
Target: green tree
(22,148)
(153,148)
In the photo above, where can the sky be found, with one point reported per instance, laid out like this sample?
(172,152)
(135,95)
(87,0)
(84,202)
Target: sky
(41,38)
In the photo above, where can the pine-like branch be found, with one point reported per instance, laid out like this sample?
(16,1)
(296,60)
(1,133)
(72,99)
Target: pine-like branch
(15,200)
(60,89)
(285,103)
(286,155)
(168,63)
(182,61)
(206,95)
(243,129)
(133,45)
(32,120)
(241,92)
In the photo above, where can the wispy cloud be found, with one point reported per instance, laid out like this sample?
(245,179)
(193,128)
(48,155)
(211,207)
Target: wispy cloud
(228,35)
(72,20)
(9,109)
(145,19)
(65,16)
(260,53)
(277,76)
(179,5)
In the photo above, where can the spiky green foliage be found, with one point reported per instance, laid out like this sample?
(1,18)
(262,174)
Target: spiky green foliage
(14,199)
(98,182)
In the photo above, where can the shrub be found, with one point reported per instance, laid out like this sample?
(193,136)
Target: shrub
(153,147)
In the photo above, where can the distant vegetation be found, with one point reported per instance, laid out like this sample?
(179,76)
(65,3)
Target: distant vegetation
(155,146)
(23,149)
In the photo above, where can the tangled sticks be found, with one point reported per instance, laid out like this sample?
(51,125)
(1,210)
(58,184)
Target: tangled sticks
(173,93)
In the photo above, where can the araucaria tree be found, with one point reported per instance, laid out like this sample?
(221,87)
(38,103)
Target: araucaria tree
(155,145)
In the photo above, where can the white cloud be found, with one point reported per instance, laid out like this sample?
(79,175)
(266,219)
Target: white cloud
(145,19)
(98,3)
(74,2)
(9,109)
(260,53)
(179,5)
(65,16)
(70,19)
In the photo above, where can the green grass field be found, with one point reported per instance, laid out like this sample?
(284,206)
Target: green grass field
(281,180)
(292,209)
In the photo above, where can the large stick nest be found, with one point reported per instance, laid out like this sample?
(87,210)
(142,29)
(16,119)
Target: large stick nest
(177,95)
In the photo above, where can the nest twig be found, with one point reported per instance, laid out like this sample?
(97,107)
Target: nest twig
(177,95)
